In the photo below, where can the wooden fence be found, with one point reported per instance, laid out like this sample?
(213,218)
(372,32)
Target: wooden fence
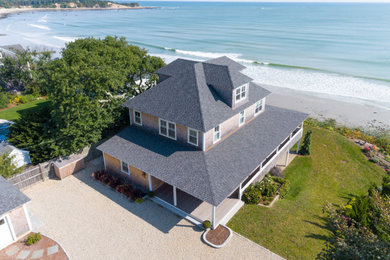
(27,178)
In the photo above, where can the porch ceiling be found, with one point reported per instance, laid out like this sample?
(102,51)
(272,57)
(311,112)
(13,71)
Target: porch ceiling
(209,176)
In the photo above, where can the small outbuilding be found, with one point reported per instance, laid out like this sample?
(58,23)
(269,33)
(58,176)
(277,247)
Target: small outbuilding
(14,219)
(20,157)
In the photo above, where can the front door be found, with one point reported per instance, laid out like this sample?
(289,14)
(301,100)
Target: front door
(5,233)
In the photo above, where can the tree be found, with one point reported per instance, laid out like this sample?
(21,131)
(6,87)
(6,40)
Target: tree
(305,150)
(7,168)
(4,100)
(87,88)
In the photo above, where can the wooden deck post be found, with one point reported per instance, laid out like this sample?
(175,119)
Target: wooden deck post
(212,217)
(174,196)
(286,163)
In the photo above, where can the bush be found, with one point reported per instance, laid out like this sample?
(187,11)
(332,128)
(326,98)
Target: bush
(267,186)
(27,98)
(206,224)
(252,195)
(4,100)
(305,150)
(285,186)
(151,194)
(33,238)
(139,200)
(374,160)
(276,171)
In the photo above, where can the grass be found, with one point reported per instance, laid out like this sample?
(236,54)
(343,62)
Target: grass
(295,227)
(14,113)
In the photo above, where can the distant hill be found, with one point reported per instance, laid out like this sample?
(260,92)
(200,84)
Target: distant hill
(59,3)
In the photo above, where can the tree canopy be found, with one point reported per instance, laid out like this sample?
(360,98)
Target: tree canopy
(86,87)
(51,3)
(7,168)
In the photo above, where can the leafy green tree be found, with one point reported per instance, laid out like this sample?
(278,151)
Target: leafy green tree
(305,149)
(4,100)
(87,88)
(7,168)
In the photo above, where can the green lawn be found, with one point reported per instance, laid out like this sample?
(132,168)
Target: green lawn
(14,113)
(294,227)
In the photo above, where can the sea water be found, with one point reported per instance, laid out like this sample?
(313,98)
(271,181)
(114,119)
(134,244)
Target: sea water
(335,49)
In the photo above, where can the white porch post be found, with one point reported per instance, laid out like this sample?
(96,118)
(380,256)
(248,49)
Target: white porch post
(174,196)
(104,162)
(212,217)
(240,192)
(286,163)
(299,143)
(150,182)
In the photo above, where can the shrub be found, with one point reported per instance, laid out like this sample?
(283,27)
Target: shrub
(252,195)
(374,160)
(267,186)
(366,149)
(206,224)
(151,194)
(4,100)
(276,171)
(285,186)
(33,238)
(305,149)
(27,98)
(139,200)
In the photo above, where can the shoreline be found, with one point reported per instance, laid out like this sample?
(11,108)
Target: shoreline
(4,12)
(352,115)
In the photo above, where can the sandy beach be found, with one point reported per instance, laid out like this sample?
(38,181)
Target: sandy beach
(7,11)
(346,113)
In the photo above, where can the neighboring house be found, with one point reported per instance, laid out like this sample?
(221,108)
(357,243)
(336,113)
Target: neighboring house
(200,137)
(14,219)
(21,157)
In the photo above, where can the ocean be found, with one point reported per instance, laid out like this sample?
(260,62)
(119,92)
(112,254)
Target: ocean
(335,50)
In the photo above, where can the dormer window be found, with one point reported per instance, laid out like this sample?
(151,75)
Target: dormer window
(167,129)
(217,134)
(241,93)
(137,118)
(259,106)
(193,136)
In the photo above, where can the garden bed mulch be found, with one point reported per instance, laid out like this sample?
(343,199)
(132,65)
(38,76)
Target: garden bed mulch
(46,244)
(218,237)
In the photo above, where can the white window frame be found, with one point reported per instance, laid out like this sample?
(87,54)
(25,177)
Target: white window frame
(219,131)
(241,90)
(262,106)
(239,118)
(128,168)
(167,135)
(140,117)
(188,136)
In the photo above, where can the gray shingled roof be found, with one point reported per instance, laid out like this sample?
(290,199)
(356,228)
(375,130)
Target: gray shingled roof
(210,176)
(10,197)
(186,97)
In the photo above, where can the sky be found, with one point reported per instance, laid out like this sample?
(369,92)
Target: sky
(318,1)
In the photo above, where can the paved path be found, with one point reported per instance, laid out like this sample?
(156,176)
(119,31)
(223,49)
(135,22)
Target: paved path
(91,221)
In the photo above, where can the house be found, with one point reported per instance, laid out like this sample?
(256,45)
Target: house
(20,157)
(10,51)
(14,219)
(200,137)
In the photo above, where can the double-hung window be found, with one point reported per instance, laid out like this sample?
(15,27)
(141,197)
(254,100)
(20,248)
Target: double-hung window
(192,136)
(217,134)
(167,129)
(137,118)
(259,106)
(241,119)
(241,93)
(125,168)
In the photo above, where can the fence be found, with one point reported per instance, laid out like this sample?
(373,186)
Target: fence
(44,171)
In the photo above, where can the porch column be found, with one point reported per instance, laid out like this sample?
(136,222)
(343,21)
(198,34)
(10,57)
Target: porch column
(174,196)
(299,143)
(104,162)
(286,163)
(212,217)
(150,182)
(240,192)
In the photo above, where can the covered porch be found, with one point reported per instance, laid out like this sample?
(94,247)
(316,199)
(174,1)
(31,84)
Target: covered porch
(199,210)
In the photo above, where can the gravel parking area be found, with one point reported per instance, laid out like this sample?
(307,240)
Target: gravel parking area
(91,221)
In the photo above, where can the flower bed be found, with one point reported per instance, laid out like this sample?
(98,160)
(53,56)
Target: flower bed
(218,237)
(129,190)
(264,192)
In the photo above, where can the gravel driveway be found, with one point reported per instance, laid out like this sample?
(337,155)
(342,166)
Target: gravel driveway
(91,221)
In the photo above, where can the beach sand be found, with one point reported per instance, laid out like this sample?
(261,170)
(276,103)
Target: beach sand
(345,113)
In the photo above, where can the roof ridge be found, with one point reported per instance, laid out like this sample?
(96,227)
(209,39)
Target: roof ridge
(210,179)
(197,93)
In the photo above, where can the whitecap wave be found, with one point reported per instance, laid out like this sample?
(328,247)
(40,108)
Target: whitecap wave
(43,27)
(65,39)
(43,19)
